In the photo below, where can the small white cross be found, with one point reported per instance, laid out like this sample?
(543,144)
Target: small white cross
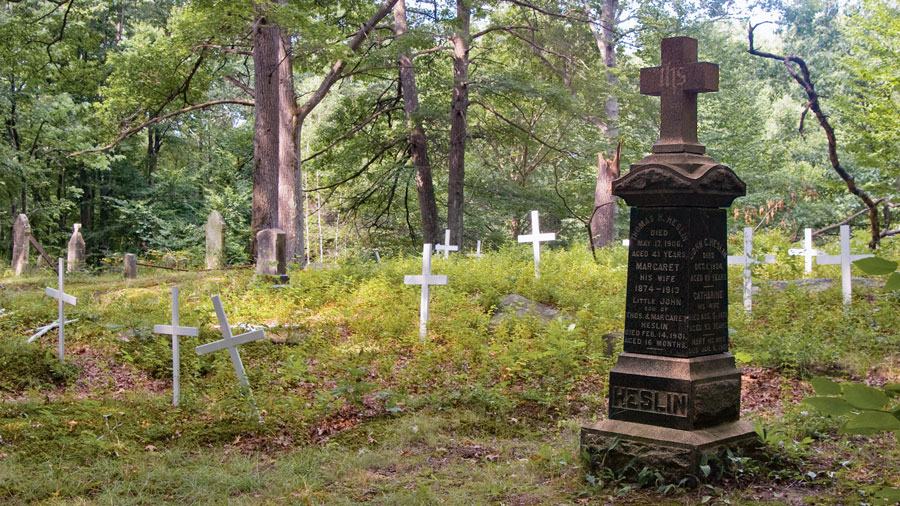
(626,242)
(477,251)
(426,279)
(230,343)
(446,248)
(845,259)
(174,330)
(377,256)
(62,297)
(535,238)
(807,251)
(747,260)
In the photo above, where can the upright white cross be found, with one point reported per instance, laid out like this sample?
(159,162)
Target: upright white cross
(377,256)
(426,279)
(446,248)
(174,330)
(807,251)
(626,242)
(62,297)
(747,260)
(230,343)
(535,238)
(844,260)
(477,251)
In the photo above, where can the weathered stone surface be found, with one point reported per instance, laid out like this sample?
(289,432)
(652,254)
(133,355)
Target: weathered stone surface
(514,305)
(21,244)
(271,260)
(75,253)
(215,241)
(610,341)
(130,266)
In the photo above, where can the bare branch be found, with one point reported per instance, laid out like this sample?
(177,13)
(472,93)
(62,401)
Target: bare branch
(247,89)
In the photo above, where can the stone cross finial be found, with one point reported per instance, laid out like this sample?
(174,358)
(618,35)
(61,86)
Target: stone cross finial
(677,81)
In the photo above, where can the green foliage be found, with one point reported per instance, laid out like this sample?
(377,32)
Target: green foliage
(869,410)
(26,366)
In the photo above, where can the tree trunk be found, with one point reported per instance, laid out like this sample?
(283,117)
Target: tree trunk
(265,132)
(603,219)
(417,142)
(290,214)
(605,35)
(458,126)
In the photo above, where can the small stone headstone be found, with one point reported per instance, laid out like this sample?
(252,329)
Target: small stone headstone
(215,241)
(271,258)
(75,254)
(130,266)
(21,244)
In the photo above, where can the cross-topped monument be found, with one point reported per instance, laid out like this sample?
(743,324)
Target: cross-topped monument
(175,330)
(675,393)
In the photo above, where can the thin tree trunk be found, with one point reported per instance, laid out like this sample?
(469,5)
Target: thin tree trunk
(605,35)
(603,219)
(290,214)
(265,133)
(417,141)
(458,126)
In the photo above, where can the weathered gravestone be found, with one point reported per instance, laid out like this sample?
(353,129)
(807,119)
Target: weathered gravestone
(675,393)
(271,256)
(75,253)
(130,266)
(21,244)
(215,241)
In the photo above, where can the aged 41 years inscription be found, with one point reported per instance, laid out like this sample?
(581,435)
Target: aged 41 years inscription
(677,297)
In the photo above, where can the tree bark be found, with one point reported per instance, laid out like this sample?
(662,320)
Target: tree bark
(265,132)
(603,219)
(458,126)
(290,184)
(417,141)
(605,36)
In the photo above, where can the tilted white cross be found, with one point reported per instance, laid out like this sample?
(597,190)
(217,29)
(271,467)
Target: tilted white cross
(62,297)
(747,260)
(446,248)
(174,330)
(230,342)
(535,238)
(477,251)
(844,259)
(426,279)
(807,251)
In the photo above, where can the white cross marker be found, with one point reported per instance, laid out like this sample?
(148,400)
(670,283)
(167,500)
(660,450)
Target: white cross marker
(446,248)
(426,279)
(62,297)
(477,251)
(174,330)
(535,238)
(626,242)
(844,260)
(377,256)
(230,343)
(807,251)
(747,260)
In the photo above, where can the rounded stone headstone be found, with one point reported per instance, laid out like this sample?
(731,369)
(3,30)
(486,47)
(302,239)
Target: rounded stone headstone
(130,266)
(75,254)
(271,255)
(21,244)
(215,241)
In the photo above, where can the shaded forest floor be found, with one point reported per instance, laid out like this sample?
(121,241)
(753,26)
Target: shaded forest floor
(354,408)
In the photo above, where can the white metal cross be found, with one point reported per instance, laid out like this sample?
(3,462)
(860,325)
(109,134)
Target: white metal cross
(747,260)
(477,251)
(807,251)
(230,342)
(844,259)
(535,238)
(175,330)
(426,279)
(446,248)
(62,297)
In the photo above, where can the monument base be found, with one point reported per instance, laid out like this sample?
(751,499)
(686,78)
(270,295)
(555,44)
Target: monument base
(674,453)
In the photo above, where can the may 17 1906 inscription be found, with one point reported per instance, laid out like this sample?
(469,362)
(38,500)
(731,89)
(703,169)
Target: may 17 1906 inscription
(677,290)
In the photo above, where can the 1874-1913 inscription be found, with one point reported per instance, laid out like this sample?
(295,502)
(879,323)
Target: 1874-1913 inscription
(677,297)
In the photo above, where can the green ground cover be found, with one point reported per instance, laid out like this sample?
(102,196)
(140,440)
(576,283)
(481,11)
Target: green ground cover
(356,409)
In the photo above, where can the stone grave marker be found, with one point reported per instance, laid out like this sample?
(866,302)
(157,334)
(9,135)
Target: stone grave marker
(21,244)
(807,251)
(446,247)
(426,279)
(130,266)
(75,251)
(675,393)
(62,298)
(536,238)
(845,259)
(748,260)
(230,343)
(271,256)
(175,330)
(215,241)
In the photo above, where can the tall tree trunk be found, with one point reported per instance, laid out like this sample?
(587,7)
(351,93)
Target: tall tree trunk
(458,109)
(605,35)
(417,142)
(265,132)
(290,213)
(603,219)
